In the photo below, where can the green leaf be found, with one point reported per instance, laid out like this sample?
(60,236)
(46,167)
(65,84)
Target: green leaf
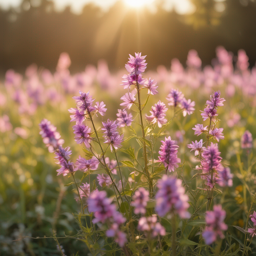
(129,138)
(186,241)
(129,151)
(128,164)
(124,207)
(70,183)
(196,223)
(87,153)
(240,229)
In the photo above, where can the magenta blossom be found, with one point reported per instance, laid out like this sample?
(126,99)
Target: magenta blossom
(82,134)
(214,224)
(209,113)
(246,140)
(129,99)
(66,168)
(158,114)
(84,190)
(168,154)
(217,133)
(215,101)
(225,177)
(100,108)
(197,146)
(175,97)
(84,102)
(120,237)
(252,231)
(111,165)
(104,180)
(136,64)
(140,199)
(150,226)
(171,197)
(150,84)
(123,118)
(199,129)
(131,79)
(187,106)
(76,115)
(87,165)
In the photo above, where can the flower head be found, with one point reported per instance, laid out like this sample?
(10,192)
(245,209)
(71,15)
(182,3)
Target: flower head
(171,198)
(136,64)
(120,237)
(199,129)
(76,115)
(111,165)
(208,113)
(217,133)
(214,224)
(84,102)
(225,177)
(246,140)
(196,146)
(51,137)
(131,79)
(150,84)
(215,101)
(168,154)
(175,97)
(140,199)
(187,106)
(158,114)
(100,108)
(150,226)
(128,99)
(104,180)
(84,190)
(87,165)
(82,134)
(123,118)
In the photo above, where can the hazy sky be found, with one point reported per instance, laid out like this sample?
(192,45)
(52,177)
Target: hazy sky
(181,6)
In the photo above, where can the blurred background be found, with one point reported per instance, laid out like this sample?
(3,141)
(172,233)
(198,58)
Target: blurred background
(37,31)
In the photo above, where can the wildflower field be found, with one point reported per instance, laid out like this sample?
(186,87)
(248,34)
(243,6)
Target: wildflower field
(135,162)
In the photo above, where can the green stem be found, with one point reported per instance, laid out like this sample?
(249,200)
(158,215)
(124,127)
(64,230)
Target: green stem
(81,202)
(173,235)
(210,193)
(144,143)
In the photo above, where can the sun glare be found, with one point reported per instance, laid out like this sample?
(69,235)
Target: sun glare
(138,3)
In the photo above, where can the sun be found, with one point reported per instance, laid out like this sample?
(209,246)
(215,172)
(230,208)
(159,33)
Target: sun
(138,3)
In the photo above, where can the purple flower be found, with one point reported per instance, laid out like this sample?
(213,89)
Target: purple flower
(217,133)
(174,97)
(158,114)
(215,101)
(208,113)
(246,140)
(101,206)
(168,154)
(87,165)
(50,136)
(84,102)
(225,177)
(82,134)
(123,118)
(84,190)
(171,197)
(131,79)
(253,218)
(197,146)
(252,230)
(111,134)
(150,84)
(199,129)
(211,158)
(136,64)
(214,224)
(76,115)
(150,226)
(100,108)
(111,165)
(66,168)
(140,199)
(104,180)
(193,59)
(128,99)
(62,154)
(120,237)
(187,106)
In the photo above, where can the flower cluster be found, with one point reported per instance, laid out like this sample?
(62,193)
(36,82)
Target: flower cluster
(168,154)
(214,224)
(105,212)
(171,198)
(150,226)
(158,114)
(140,199)
(246,140)
(252,230)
